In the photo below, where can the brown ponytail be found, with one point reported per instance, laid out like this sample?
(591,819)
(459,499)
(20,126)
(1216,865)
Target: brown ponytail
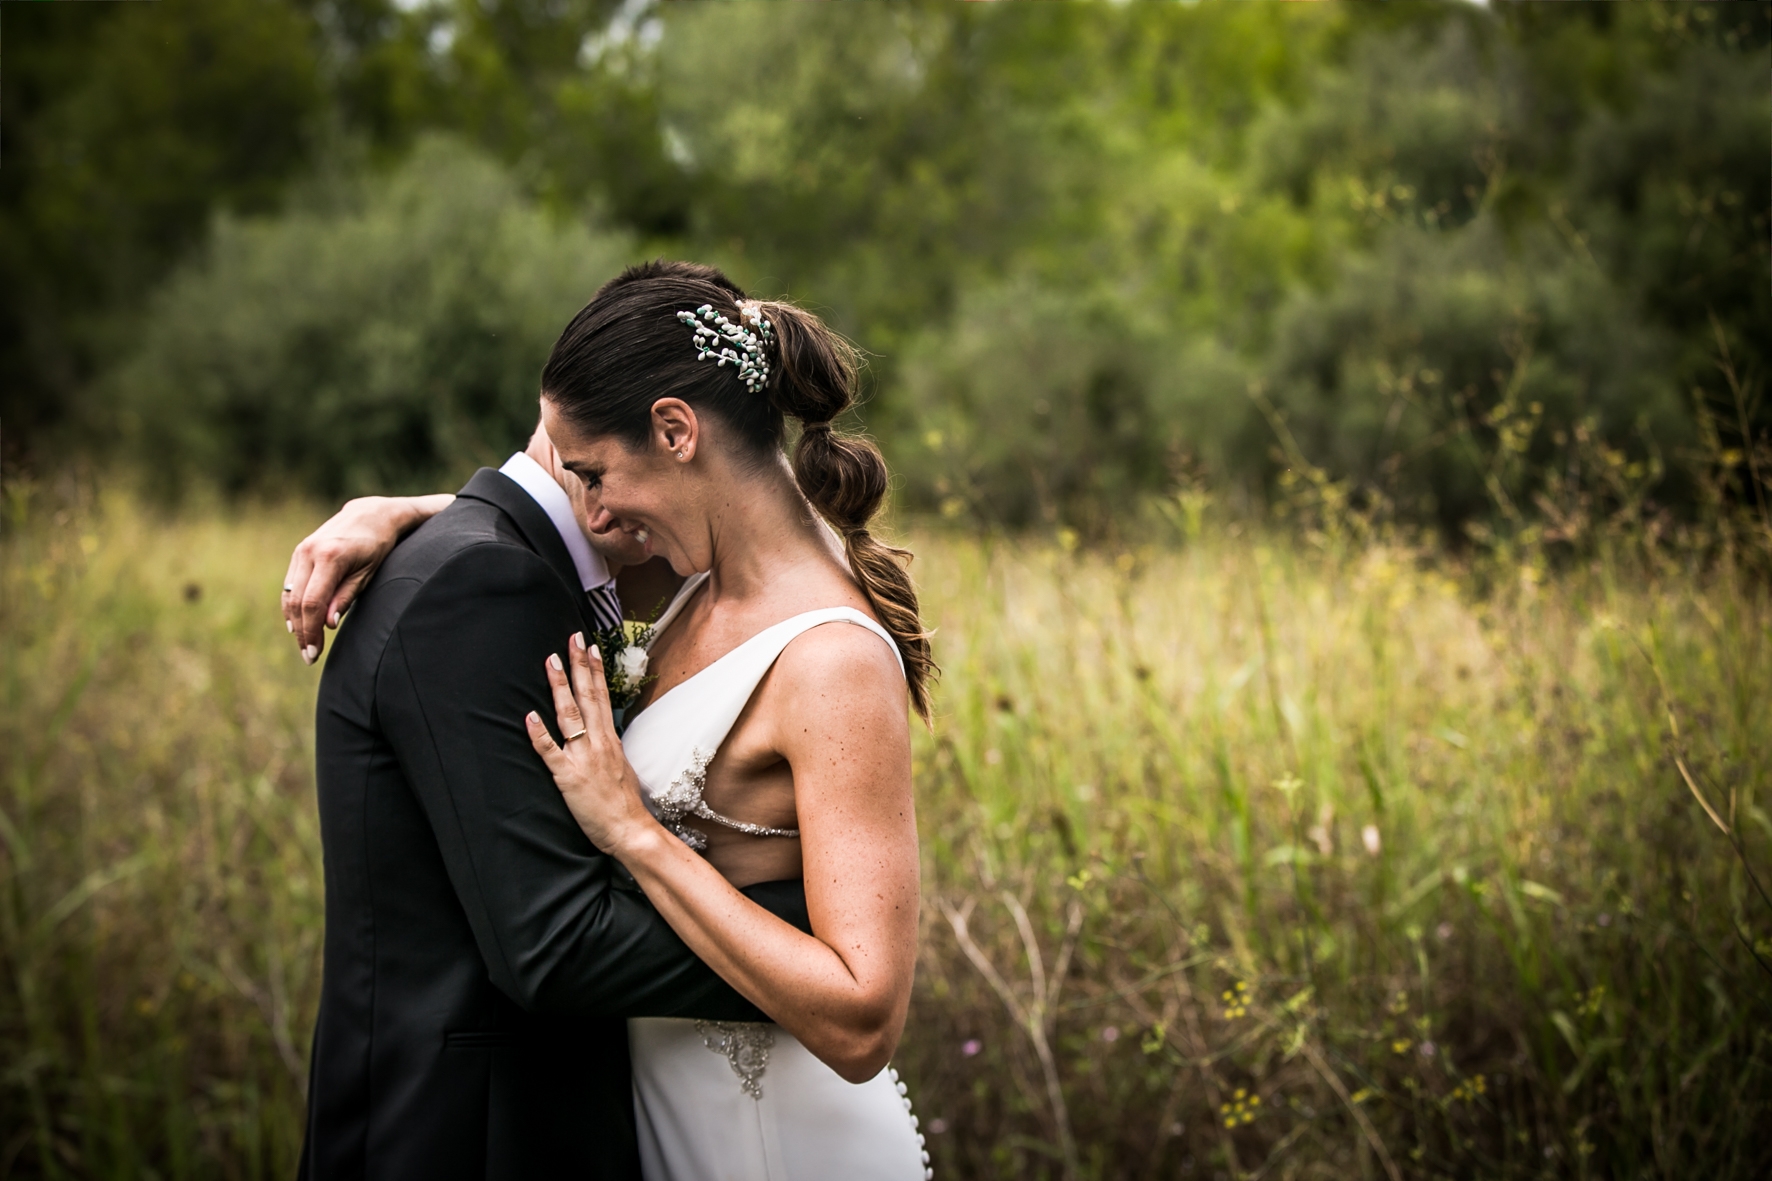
(844,477)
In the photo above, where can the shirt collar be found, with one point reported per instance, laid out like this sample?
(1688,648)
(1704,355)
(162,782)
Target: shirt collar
(545,491)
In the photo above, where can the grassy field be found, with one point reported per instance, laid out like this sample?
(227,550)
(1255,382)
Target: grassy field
(1243,858)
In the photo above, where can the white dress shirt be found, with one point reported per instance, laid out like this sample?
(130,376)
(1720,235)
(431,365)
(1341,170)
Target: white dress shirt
(593,571)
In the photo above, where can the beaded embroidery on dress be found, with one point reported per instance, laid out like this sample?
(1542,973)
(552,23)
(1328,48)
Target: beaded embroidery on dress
(736,1101)
(683,799)
(746,1047)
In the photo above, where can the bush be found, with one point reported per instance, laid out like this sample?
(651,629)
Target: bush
(1450,373)
(1454,273)
(1056,407)
(389,338)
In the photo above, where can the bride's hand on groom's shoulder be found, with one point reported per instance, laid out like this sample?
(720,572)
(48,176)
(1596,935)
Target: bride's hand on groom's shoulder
(334,562)
(588,764)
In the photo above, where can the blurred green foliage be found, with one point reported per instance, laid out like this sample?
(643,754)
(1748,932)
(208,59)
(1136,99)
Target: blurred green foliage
(124,126)
(1097,252)
(379,336)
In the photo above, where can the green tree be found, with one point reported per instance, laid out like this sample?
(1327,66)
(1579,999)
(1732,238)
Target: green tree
(1134,215)
(387,337)
(125,127)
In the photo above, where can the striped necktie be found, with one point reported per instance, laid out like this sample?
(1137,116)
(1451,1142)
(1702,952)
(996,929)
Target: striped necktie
(605,606)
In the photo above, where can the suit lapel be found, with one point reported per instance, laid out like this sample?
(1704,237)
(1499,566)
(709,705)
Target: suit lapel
(537,528)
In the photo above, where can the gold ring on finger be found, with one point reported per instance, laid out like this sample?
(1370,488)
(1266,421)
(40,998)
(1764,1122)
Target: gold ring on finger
(570,737)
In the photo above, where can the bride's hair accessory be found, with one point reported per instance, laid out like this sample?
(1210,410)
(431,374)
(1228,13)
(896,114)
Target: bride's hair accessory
(747,347)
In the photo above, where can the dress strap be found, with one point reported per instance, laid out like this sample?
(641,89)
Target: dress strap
(672,741)
(675,608)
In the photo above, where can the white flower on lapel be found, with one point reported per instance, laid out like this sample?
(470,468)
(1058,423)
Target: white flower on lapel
(631,662)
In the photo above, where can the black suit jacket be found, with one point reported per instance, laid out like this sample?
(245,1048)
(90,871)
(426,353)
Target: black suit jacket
(480,952)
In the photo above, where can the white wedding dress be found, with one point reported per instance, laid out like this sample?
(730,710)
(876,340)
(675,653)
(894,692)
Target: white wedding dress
(721,1101)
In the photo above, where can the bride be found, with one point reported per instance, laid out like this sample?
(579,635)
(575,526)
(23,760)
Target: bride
(769,743)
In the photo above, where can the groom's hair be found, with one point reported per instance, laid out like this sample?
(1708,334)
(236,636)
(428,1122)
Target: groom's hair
(627,349)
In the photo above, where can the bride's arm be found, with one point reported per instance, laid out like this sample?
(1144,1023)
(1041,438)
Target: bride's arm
(845,991)
(336,561)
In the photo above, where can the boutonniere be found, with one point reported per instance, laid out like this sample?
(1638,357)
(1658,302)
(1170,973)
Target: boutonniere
(624,663)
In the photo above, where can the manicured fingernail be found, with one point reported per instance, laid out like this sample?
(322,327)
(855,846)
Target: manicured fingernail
(596,653)
(578,640)
(289,626)
(533,718)
(554,662)
(332,620)
(310,653)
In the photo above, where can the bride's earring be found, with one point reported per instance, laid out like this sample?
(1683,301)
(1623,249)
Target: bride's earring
(679,455)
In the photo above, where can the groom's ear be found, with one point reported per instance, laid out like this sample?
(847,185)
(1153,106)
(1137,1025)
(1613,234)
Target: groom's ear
(675,428)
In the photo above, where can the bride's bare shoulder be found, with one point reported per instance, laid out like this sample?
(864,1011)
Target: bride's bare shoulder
(839,667)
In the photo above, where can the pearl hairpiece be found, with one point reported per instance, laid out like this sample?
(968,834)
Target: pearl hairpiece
(721,339)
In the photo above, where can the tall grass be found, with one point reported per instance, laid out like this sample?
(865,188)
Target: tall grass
(1244,858)
(1289,864)
(160,904)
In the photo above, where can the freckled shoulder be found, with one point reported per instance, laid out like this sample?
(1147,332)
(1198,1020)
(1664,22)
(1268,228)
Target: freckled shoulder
(840,666)
(841,648)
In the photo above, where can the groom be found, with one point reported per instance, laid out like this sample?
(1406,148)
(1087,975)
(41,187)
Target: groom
(480,953)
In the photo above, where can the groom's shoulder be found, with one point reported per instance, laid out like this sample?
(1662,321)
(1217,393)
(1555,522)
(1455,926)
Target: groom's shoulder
(446,580)
(466,525)
(469,550)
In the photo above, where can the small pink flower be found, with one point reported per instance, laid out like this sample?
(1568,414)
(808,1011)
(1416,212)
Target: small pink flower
(1428,1049)
(970,1047)
(937,1126)
(1110,1034)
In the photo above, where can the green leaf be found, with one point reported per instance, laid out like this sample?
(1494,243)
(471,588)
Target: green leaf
(1544,893)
